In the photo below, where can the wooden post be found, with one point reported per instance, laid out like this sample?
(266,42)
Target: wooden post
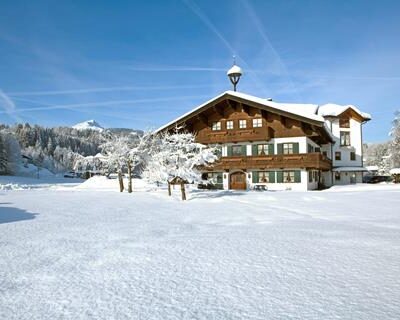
(129,176)
(169,189)
(183,191)
(121,181)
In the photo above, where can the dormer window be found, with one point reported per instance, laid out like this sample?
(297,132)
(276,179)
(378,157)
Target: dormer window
(215,126)
(257,123)
(242,124)
(344,122)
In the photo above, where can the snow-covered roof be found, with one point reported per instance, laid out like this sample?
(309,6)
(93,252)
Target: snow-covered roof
(335,110)
(372,168)
(394,171)
(265,102)
(349,169)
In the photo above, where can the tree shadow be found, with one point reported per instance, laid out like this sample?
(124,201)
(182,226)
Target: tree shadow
(198,194)
(11,214)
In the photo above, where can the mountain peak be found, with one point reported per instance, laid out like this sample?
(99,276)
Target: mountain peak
(88,125)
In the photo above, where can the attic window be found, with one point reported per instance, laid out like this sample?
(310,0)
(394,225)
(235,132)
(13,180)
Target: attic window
(242,124)
(344,122)
(216,126)
(257,123)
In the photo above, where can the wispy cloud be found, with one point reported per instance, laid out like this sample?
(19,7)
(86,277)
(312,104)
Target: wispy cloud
(176,68)
(8,106)
(111,103)
(107,89)
(211,26)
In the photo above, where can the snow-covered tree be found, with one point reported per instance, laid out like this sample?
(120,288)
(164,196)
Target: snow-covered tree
(177,157)
(395,144)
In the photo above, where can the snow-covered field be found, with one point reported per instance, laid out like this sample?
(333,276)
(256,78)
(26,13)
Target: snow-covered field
(90,252)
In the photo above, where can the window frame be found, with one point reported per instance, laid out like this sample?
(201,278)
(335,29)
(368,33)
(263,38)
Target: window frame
(285,149)
(338,156)
(216,126)
(353,156)
(241,122)
(345,140)
(228,123)
(257,123)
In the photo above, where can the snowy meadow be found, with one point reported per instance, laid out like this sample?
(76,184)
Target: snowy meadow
(86,251)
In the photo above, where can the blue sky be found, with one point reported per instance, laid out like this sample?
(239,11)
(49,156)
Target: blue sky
(139,64)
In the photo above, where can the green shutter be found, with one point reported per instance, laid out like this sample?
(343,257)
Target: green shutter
(280,148)
(272,177)
(255,176)
(296,147)
(271,149)
(244,152)
(229,151)
(297,176)
(254,149)
(279,176)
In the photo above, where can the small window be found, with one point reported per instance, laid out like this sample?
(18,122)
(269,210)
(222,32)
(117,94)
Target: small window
(352,156)
(344,123)
(263,177)
(325,153)
(257,123)
(238,150)
(315,176)
(229,125)
(262,149)
(288,176)
(216,126)
(317,149)
(310,176)
(338,155)
(310,148)
(242,124)
(337,176)
(288,148)
(344,138)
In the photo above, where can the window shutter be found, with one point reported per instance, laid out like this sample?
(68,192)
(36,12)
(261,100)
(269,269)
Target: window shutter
(244,153)
(229,151)
(297,176)
(279,176)
(255,176)
(254,149)
(280,148)
(296,147)
(271,149)
(272,177)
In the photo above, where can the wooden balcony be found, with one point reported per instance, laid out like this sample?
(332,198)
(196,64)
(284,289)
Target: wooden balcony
(238,135)
(314,160)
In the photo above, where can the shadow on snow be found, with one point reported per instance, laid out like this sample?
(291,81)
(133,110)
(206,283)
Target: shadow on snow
(11,214)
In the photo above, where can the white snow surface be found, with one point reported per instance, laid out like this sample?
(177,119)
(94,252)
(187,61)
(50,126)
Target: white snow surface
(394,171)
(77,253)
(88,125)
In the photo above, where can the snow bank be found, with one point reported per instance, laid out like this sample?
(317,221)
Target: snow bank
(102,183)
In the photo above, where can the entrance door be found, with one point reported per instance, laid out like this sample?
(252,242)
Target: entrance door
(238,181)
(353,178)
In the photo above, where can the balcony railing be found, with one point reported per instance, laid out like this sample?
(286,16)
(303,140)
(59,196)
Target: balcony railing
(314,160)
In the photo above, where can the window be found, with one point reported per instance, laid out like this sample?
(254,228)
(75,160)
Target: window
(310,176)
(325,153)
(242,124)
(238,150)
(288,148)
(344,138)
(216,126)
(317,149)
(263,149)
(337,176)
(214,180)
(315,176)
(229,125)
(266,177)
(338,155)
(288,176)
(344,123)
(310,148)
(257,123)
(352,156)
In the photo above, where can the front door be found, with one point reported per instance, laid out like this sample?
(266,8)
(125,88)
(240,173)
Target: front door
(238,181)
